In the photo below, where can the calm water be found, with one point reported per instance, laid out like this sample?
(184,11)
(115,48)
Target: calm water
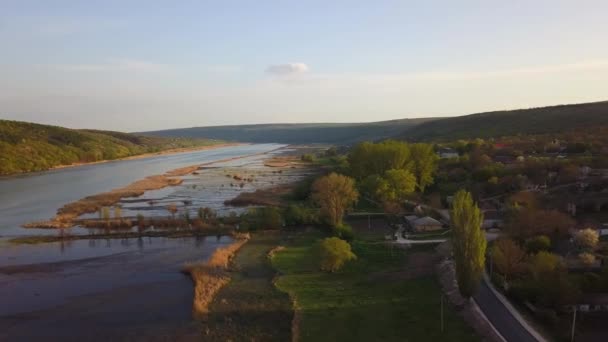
(35,197)
(99,289)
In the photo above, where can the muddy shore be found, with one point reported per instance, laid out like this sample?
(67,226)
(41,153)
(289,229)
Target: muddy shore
(66,215)
(237,182)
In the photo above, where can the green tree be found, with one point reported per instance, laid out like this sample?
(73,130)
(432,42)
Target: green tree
(508,257)
(424,162)
(334,253)
(366,159)
(543,264)
(105,214)
(334,193)
(117,213)
(538,243)
(400,183)
(265,218)
(469,242)
(374,186)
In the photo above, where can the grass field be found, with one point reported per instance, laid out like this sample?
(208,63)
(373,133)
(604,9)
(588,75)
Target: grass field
(371,299)
(250,308)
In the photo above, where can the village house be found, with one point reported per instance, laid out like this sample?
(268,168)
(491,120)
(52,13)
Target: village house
(447,153)
(423,224)
(593,302)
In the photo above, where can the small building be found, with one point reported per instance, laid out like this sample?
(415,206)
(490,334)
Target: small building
(423,224)
(504,159)
(447,153)
(593,302)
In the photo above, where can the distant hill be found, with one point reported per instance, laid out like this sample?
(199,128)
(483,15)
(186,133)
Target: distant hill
(503,123)
(26,147)
(330,133)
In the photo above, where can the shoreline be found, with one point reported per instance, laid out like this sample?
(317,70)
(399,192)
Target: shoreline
(141,156)
(172,234)
(133,157)
(211,275)
(67,215)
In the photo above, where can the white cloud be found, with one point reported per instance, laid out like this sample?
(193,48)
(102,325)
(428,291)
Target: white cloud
(287,69)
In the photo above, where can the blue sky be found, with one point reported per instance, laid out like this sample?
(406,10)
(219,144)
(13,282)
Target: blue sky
(143,65)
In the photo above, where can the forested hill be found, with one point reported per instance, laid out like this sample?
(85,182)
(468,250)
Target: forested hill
(26,147)
(332,133)
(504,123)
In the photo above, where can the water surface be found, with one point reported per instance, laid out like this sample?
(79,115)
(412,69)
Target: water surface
(100,289)
(34,197)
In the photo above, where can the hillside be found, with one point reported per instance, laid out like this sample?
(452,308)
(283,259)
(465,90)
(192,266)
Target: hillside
(26,147)
(502,123)
(331,133)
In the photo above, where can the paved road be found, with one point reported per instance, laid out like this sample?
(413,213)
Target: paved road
(496,312)
(501,318)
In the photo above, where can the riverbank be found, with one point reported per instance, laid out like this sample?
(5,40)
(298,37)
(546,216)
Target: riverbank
(66,215)
(211,275)
(146,155)
(36,239)
(119,289)
(249,307)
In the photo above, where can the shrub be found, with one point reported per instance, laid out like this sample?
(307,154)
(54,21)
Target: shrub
(587,259)
(307,157)
(105,214)
(297,214)
(547,316)
(543,264)
(205,213)
(537,244)
(344,232)
(264,218)
(117,213)
(523,290)
(141,222)
(334,253)
(172,209)
(587,239)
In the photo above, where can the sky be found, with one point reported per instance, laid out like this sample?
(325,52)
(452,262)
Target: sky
(150,65)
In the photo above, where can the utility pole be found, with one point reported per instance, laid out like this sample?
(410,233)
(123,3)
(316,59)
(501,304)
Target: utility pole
(442,312)
(491,263)
(573,324)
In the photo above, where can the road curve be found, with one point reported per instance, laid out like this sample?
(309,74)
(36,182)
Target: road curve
(500,317)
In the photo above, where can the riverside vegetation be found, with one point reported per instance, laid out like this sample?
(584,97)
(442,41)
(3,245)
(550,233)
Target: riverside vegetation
(341,284)
(29,147)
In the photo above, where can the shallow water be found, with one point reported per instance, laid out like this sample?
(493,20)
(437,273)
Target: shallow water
(99,289)
(34,197)
(111,289)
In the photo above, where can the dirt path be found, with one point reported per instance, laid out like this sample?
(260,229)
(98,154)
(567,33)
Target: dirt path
(250,307)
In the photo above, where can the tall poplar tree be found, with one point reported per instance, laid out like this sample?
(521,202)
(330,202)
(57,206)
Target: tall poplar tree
(469,242)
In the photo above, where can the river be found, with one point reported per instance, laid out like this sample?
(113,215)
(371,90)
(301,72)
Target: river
(34,197)
(99,290)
